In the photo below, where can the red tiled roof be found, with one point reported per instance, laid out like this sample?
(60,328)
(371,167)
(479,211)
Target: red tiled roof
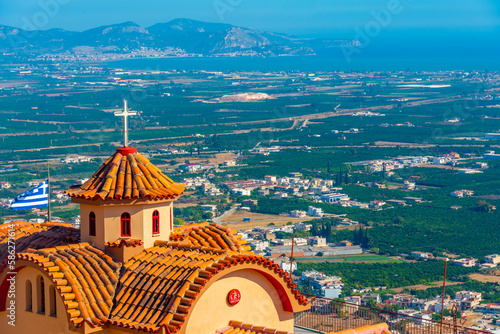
(128,176)
(238,327)
(124,242)
(35,236)
(158,286)
(155,288)
(85,277)
(208,237)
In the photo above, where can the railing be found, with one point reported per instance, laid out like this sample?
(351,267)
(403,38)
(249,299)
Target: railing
(330,315)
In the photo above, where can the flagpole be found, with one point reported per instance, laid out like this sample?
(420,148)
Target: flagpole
(49,215)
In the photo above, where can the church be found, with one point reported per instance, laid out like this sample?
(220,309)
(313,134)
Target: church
(128,269)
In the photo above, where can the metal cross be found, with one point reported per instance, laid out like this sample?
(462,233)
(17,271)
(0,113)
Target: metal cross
(125,113)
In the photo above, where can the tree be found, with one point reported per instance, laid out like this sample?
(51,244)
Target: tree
(483,206)
(357,236)
(208,215)
(371,303)
(178,221)
(369,242)
(307,289)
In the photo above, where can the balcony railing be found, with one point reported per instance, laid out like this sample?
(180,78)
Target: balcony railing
(330,315)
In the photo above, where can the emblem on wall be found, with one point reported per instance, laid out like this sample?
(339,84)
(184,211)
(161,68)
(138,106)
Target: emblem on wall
(234,297)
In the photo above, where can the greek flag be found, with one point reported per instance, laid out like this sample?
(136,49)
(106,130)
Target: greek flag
(37,197)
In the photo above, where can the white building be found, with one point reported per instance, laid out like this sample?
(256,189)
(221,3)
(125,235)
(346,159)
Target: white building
(270,178)
(286,266)
(466,262)
(315,212)
(420,255)
(376,204)
(440,160)
(303,226)
(492,136)
(258,245)
(5,185)
(241,192)
(334,198)
(353,300)
(409,185)
(76,159)
(493,259)
(208,207)
(300,241)
(298,214)
(318,241)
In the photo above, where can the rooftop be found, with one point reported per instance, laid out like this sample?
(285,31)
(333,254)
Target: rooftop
(127,175)
(153,289)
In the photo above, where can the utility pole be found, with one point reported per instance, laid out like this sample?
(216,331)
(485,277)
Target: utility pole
(291,257)
(49,214)
(442,300)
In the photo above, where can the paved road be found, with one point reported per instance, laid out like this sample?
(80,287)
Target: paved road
(218,220)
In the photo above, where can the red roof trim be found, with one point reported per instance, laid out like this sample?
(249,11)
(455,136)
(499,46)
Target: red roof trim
(126,150)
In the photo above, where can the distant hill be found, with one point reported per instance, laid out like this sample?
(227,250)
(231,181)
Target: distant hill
(183,35)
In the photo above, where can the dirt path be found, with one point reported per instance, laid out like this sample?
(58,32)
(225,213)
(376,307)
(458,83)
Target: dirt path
(425,287)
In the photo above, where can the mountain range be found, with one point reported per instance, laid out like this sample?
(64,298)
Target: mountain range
(181,35)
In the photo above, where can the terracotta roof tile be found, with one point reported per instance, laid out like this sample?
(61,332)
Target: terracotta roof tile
(238,327)
(129,176)
(156,287)
(124,242)
(84,276)
(207,236)
(35,236)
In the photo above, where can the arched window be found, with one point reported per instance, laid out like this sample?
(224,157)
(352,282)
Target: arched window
(52,301)
(29,296)
(92,224)
(156,222)
(125,223)
(40,295)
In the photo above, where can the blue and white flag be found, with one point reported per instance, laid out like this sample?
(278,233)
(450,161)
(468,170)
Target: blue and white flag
(37,197)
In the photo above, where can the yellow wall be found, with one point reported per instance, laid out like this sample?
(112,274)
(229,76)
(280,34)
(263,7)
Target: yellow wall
(33,322)
(259,305)
(108,226)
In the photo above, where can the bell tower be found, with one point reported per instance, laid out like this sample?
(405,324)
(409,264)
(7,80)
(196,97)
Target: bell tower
(127,204)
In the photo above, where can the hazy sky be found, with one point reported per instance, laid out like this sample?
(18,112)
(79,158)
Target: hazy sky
(336,18)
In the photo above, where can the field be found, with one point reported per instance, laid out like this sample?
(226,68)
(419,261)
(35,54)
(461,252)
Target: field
(326,129)
(485,278)
(425,286)
(349,258)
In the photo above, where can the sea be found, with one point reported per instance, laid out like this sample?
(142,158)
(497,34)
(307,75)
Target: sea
(330,63)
